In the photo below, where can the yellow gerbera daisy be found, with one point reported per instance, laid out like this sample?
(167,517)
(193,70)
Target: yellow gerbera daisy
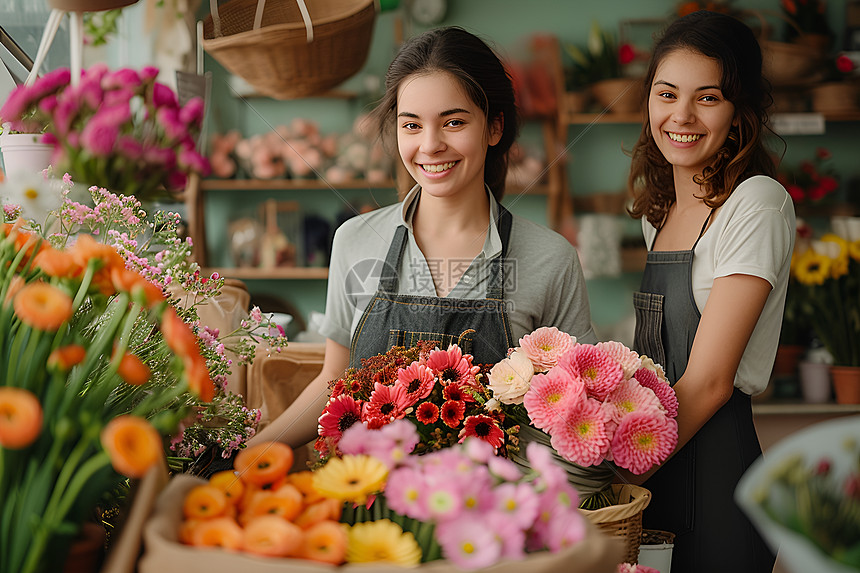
(812,268)
(383,540)
(351,478)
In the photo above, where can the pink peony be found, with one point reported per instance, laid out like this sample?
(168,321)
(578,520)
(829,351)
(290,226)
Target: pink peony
(545,345)
(598,370)
(551,395)
(628,359)
(661,388)
(99,136)
(417,380)
(643,440)
(582,438)
(630,397)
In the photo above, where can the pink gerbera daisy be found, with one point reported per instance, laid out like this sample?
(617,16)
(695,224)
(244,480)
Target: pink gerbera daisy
(386,404)
(629,360)
(630,396)
(452,413)
(340,413)
(582,439)
(545,345)
(664,392)
(427,413)
(598,371)
(468,543)
(452,366)
(643,440)
(550,396)
(484,428)
(417,379)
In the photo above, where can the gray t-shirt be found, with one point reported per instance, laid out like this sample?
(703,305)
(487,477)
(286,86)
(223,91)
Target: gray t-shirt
(544,285)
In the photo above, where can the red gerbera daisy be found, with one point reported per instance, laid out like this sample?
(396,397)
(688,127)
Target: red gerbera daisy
(483,427)
(453,366)
(340,413)
(458,393)
(386,404)
(417,379)
(452,413)
(427,413)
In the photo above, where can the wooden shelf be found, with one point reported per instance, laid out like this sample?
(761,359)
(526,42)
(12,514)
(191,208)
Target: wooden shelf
(278,273)
(287,185)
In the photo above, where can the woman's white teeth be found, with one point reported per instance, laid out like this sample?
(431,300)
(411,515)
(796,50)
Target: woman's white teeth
(438,168)
(684,138)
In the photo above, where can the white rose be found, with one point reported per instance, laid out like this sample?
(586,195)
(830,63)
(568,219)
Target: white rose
(509,379)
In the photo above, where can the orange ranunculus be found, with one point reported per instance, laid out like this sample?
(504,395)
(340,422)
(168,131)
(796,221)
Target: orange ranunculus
(326,541)
(272,536)
(87,248)
(127,280)
(205,502)
(20,417)
(304,481)
(230,484)
(56,263)
(43,306)
(221,532)
(285,502)
(177,334)
(133,444)
(64,357)
(327,508)
(30,243)
(133,370)
(199,380)
(264,463)
(15,285)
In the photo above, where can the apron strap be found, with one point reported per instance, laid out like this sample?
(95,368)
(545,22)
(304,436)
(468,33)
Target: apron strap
(702,232)
(389,277)
(496,288)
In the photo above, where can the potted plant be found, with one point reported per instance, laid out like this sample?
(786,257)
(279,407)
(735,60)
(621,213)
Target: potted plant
(603,66)
(806,24)
(840,91)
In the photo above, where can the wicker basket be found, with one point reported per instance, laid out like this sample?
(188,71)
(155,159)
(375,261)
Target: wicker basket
(286,50)
(624,519)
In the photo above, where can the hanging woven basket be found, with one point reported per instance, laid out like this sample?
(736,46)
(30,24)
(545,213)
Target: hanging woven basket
(289,49)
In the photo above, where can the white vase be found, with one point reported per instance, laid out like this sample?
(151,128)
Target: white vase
(815,382)
(24,160)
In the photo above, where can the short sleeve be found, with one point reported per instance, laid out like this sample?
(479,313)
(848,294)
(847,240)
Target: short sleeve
(338,311)
(572,313)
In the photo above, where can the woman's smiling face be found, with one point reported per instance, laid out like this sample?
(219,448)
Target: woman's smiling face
(442,135)
(690,119)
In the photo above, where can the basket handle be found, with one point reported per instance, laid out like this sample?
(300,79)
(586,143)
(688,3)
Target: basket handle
(258,17)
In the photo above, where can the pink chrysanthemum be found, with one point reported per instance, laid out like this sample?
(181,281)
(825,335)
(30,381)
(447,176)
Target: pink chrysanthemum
(386,404)
(484,428)
(582,439)
(545,345)
(550,396)
(643,440)
(664,392)
(628,397)
(628,359)
(656,368)
(452,413)
(427,413)
(417,379)
(452,366)
(340,413)
(598,371)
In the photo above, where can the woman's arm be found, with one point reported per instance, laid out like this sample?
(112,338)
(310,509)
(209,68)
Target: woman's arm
(297,425)
(727,323)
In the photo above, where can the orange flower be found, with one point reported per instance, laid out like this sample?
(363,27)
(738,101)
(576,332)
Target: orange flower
(285,502)
(304,481)
(326,509)
(230,484)
(15,285)
(326,542)
(133,444)
(199,380)
(177,334)
(272,536)
(20,417)
(58,264)
(127,280)
(133,370)
(43,306)
(220,532)
(30,243)
(205,502)
(87,248)
(264,463)
(65,357)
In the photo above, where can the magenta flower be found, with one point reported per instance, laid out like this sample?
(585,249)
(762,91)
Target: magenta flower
(598,370)
(123,78)
(550,396)
(192,112)
(417,380)
(582,438)
(163,96)
(545,345)
(643,440)
(628,397)
(664,392)
(98,137)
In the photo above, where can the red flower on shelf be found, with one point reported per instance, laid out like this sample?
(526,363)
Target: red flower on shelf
(811,181)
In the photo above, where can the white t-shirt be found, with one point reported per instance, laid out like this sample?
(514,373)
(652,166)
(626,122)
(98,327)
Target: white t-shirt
(752,234)
(544,284)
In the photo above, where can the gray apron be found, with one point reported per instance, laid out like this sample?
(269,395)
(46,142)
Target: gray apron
(693,491)
(480,327)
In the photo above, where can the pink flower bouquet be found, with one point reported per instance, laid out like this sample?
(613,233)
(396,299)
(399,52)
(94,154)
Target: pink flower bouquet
(596,402)
(117,129)
(440,391)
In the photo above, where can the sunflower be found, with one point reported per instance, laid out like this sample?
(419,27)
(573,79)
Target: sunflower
(351,478)
(812,268)
(384,541)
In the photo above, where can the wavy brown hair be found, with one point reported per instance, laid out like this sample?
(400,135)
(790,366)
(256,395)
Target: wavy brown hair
(480,73)
(732,44)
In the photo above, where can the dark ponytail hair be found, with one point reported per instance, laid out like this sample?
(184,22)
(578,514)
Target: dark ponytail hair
(481,75)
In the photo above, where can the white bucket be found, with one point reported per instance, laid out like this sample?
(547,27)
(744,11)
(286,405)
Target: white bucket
(24,153)
(657,555)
